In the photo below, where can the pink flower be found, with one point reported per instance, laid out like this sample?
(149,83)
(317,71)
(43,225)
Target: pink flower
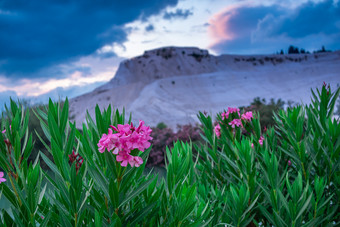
(4,131)
(124,158)
(105,142)
(261,140)
(264,129)
(143,129)
(235,122)
(124,129)
(125,139)
(247,116)
(289,163)
(252,145)
(225,115)
(2,179)
(136,161)
(234,110)
(218,130)
(133,141)
(144,133)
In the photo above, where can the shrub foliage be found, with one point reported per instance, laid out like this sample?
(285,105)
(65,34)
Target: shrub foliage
(164,137)
(241,175)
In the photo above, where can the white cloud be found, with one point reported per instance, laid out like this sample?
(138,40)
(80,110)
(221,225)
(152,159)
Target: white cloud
(98,71)
(191,31)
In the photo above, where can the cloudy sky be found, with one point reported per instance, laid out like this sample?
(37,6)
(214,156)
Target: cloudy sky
(54,48)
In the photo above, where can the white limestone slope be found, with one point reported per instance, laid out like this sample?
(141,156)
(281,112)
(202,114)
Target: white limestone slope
(172,84)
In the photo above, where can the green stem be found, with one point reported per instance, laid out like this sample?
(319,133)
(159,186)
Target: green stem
(316,204)
(167,209)
(75,218)
(107,207)
(16,193)
(32,219)
(304,171)
(120,177)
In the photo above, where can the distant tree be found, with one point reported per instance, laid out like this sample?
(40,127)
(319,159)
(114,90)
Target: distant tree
(265,109)
(161,125)
(281,52)
(293,50)
(302,51)
(322,50)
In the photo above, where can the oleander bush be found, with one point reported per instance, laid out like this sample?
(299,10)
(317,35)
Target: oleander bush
(240,174)
(285,176)
(164,137)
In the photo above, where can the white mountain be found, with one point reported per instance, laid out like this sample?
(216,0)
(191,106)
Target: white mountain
(172,84)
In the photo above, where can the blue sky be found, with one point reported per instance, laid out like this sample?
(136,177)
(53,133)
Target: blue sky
(51,48)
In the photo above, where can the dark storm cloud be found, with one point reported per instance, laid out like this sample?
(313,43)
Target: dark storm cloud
(308,19)
(38,34)
(179,13)
(267,29)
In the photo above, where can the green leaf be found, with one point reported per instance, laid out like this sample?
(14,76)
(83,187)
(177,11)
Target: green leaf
(141,214)
(64,116)
(54,130)
(114,194)
(143,186)
(46,219)
(9,195)
(100,179)
(8,221)
(304,207)
(98,219)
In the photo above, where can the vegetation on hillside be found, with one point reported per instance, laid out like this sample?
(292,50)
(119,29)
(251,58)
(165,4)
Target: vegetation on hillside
(295,50)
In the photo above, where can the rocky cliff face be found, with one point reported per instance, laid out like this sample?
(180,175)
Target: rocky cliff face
(172,84)
(163,63)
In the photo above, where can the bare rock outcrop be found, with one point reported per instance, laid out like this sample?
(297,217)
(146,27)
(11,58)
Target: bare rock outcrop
(172,84)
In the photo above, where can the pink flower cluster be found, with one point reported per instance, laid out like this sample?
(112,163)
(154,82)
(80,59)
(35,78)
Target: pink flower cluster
(236,122)
(247,116)
(7,142)
(125,139)
(225,115)
(261,140)
(218,130)
(2,179)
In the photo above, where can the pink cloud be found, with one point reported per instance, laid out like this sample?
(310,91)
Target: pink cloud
(219,24)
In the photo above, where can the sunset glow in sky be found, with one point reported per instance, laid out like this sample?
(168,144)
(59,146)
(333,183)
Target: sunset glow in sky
(52,49)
